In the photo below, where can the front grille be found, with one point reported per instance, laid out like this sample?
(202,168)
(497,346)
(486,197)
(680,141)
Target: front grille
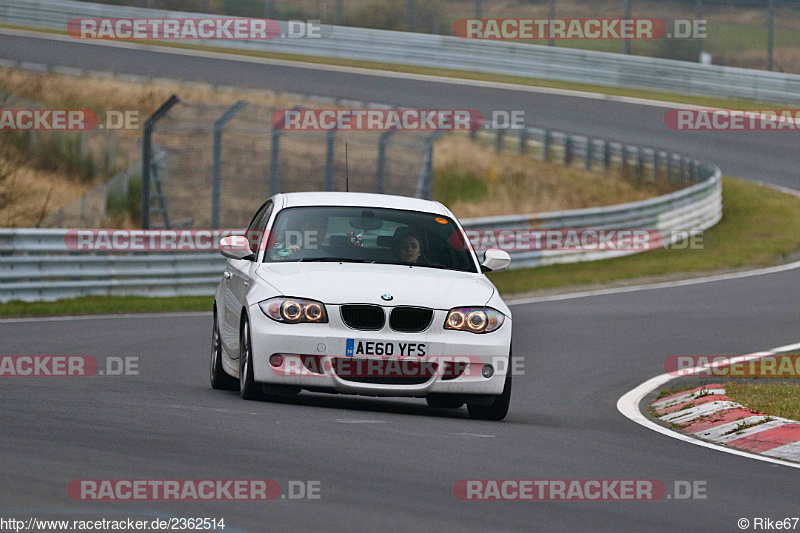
(410,319)
(384,371)
(365,317)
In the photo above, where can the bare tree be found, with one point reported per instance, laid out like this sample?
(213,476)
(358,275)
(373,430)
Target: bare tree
(12,159)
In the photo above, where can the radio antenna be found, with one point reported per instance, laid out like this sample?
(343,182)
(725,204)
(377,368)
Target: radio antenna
(346,170)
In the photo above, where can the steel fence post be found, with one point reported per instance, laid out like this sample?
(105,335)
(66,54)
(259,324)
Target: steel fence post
(589,152)
(639,163)
(670,165)
(624,156)
(626,43)
(523,140)
(568,150)
(498,141)
(656,164)
(698,42)
(380,177)
(330,137)
(219,127)
(425,180)
(546,145)
(274,164)
(683,170)
(147,155)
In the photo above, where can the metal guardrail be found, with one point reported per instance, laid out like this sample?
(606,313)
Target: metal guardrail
(425,50)
(37,264)
(675,215)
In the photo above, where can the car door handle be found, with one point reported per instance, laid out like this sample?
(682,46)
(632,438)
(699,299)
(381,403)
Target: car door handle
(227,275)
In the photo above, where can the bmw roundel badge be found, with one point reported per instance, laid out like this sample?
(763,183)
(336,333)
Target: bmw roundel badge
(387,297)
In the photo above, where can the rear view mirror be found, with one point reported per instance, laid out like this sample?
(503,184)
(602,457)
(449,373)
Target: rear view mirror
(495,260)
(366,221)
(236,247)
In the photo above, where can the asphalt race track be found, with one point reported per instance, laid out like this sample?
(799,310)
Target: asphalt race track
(393,463)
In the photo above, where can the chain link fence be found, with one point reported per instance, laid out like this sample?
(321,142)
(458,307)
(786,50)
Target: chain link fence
(211,166)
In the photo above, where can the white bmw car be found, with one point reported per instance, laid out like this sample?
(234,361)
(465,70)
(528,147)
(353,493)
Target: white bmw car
(366,294)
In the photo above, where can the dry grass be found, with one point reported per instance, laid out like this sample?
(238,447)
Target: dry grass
(62,91)
(32,193)
(474,181)
(786,58)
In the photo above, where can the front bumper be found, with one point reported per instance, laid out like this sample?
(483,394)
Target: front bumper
(326,343)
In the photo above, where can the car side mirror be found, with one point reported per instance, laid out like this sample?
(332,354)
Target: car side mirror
(236,247)
(495,260)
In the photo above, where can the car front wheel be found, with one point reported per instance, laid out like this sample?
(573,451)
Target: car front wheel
(220,379)
(248,388)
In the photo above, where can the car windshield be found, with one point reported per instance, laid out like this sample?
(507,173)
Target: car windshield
(367,235)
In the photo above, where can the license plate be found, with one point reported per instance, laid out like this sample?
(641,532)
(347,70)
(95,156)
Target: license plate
(359,347)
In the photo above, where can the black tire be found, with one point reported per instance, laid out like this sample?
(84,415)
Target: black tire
(248,388)
(499,409)
(220,380)
(444,401)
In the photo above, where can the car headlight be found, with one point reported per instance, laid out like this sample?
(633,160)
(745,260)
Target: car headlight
(474,319)
(294,310)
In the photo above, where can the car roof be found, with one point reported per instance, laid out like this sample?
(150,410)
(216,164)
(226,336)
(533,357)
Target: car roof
(361,199)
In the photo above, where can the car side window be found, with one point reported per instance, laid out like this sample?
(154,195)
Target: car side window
(258,226)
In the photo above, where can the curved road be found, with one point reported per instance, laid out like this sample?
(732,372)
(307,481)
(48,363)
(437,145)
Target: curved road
(393,463)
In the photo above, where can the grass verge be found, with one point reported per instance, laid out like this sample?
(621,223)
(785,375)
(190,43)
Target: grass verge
(475,181)
(773,399)
(760,227)
(727,103)
(106,305)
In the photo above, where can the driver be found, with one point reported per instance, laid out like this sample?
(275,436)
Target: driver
(408,248)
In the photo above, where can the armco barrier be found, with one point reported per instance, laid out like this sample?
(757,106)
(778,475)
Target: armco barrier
(37,265)
(425,50)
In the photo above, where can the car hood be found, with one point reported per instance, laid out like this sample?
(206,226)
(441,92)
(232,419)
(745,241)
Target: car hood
(339,283)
